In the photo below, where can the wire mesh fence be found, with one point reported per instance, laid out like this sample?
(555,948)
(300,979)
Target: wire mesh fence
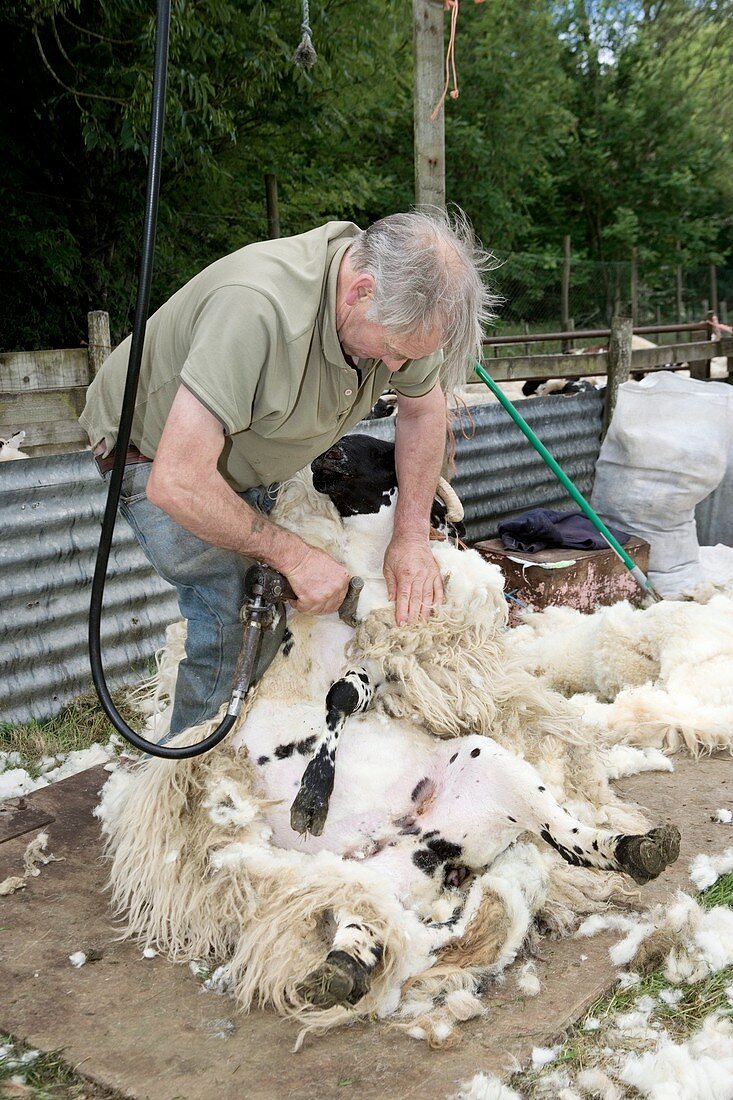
(531,286)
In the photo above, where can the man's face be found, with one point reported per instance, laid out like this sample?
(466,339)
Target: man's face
(364,339)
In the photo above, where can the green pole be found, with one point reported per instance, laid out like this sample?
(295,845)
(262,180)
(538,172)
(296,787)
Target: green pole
(641,579)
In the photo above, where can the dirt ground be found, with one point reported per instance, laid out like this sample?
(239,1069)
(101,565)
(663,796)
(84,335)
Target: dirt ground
(146,1028)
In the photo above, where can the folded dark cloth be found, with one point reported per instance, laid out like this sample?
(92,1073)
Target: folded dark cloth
(544,529)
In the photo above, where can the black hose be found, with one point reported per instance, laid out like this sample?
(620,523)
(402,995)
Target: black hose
(128,409)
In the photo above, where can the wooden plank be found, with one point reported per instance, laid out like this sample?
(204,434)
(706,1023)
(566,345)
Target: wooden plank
(21,410)
(60,369)
(17,816)
(647,358)
(66,435)
(517,367)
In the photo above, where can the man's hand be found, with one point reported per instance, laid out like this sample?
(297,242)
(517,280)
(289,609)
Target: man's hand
(319,582)
(413,579)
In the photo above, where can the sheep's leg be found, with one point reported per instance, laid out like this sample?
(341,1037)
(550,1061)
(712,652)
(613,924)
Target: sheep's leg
(344,977)
(507,795)
(643,856)
(352,694)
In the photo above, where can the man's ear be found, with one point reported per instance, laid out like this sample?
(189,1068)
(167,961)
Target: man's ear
(362,286)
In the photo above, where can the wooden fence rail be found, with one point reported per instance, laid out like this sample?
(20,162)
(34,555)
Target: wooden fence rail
(43,392)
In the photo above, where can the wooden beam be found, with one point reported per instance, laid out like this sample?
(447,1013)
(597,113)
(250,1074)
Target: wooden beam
(100,341)
(619,363)
(429,136)
(60,369)
(513,368)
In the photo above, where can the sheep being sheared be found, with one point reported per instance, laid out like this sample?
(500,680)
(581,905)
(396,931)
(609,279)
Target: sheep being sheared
(418,872)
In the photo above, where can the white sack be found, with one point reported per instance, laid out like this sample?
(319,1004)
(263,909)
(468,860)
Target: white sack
(665,451)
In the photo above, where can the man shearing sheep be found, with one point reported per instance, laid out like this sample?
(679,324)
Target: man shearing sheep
(259,364)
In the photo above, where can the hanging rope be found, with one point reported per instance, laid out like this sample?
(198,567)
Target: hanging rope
(305,56)
(450,57)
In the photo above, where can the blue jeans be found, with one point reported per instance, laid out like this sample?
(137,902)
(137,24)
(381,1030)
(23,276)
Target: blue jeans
(209,583)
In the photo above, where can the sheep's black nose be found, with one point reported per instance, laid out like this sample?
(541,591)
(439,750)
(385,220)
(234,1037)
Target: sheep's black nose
(334,461)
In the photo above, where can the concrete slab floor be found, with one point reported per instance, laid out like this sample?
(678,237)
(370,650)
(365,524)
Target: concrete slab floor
(145,1028)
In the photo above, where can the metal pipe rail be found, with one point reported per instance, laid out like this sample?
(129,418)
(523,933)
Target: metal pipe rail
(593,333)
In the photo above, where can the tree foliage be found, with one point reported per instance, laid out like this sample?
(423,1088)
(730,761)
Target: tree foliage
(605,119)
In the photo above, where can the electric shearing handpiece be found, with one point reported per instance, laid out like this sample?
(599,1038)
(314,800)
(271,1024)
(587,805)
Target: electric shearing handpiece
(264,592)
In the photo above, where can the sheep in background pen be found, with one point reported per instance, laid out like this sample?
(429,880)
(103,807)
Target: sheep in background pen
(10,447)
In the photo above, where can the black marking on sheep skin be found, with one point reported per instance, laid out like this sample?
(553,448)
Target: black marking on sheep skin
(263,760)
(420,789)
(453,919)
(305,747)
(475,753)
(287,643)
(445,849)
(569,857)
(453,758)
(426,861)
(282,752)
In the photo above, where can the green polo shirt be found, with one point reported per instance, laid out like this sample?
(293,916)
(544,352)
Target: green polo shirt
(254,338)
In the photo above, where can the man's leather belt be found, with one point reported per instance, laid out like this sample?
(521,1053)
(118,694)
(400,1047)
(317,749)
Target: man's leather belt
(133,455)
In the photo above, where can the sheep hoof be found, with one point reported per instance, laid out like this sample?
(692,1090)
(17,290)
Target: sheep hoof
(309,812)
(340,980)
(644,857)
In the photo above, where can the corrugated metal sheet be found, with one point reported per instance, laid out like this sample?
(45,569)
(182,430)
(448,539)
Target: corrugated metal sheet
(499,474)
(50,516)
(714,516)
(51,509)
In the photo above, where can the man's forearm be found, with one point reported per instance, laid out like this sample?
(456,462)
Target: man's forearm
(419,450)
(210,509)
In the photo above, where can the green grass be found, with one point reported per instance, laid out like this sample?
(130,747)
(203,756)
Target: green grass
(48,1077)
(77,726)
(582,1049)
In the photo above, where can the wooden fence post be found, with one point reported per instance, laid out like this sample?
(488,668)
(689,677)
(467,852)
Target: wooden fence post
(565,290)
(634,287)
(678,282)
(429,136)
(100,342)
(713,288)
(619,363)
(700,368)
(273,210)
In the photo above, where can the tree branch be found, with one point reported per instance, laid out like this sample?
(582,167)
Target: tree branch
(73,91)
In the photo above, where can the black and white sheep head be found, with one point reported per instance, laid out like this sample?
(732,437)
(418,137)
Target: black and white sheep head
(359,477)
